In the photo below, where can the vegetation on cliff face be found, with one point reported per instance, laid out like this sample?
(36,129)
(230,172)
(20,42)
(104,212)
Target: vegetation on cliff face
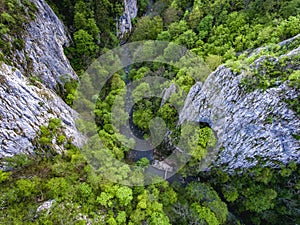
(217,31)
(13,18)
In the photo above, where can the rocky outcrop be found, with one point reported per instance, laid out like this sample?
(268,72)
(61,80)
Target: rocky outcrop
(130,12)
(251,127)
(25,107)
(43,55)
(46,206)
(167,92)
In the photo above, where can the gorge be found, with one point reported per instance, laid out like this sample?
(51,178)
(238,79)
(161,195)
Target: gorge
(240,121)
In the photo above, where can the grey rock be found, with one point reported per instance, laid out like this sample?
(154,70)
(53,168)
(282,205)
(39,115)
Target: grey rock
(290,40)
(167,93)
(45,206)
(283,43)
(24,108)
(43,55)
(125,21)
(241,120)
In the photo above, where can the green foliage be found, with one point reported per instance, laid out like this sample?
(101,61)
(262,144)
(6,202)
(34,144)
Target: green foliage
(138,74)
(201,204)
(205,214)
(121,218)
(54,124)
(147,28)
(48,136)
(70,87)
(14,16)
(177,28)
(58,188)
(230,193)
(4,176)
(26,188)
(104,199)
(124,194)
(187,39)
(213,61)
(195,16)
(34,80)
(92,26)
(260,195)
(259,200)
(18,161)
(294,79)
(159,219)
(85,48)
(142,6)
(6,18)
(142,118)
(143,162)
(198,140)
(205,26)
(184,81)
(169,114)
(171,15)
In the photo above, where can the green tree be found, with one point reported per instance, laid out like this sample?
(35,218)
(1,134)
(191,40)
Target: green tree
(171,15)
(169,114)
(105,199)
(58,188)
(164,36)
(124,194)
(26,188)
(4,176)
(93,29)
(205,214)
(147,28)
(143,162)
(142,118)
(205,26)
(142,6)
(121,217)
(85,46)
(158,218)
(290,8)
(177,28)
(258,199)
(84,43)
(195,17)
(142,90)
(230,193)
(213,61)
(188,39)
(140,73)
(80,21)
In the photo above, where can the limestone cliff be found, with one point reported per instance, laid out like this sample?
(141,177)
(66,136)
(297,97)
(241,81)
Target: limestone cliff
(24,107)
(43,55)
(251,126)
(130,12)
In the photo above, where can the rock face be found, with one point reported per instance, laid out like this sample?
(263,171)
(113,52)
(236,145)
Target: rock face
(45,206)
(130,12)
(25,107)
(43,55)
(250,126)
(167,93)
